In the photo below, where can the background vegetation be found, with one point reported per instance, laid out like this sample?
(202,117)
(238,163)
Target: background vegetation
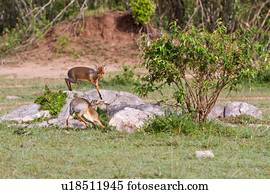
(165,146)
(33,18)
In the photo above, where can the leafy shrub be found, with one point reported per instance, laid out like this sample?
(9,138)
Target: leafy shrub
(126,77)
(104,119)
(18,35)
(171,123)
(57,6)
(214,60)
(142,10)
(125,80)
(262,76)
(241,119)
(53,101)
(61,44)
(11,39)
(184,124)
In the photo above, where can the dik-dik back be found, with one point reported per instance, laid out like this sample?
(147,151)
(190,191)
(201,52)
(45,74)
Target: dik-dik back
(82,73)
(85,73)
(78,105)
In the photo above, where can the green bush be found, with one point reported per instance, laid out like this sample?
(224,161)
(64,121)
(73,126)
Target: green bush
(184,124)
(171,123)
(104,120)
(262,76)
(53,101)
(126,77)
(61,44)
(18,35)
(57,6)
(214,60)
(142,10)
(125,80)
(241,119)
(11,39)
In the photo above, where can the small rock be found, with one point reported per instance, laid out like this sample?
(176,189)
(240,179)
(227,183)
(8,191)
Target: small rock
(75,124)
(242,108)
(41,124)
(12,97)
(27,119)
(53,121)
(204,154)
(28,144)
(25,113)
(216,112)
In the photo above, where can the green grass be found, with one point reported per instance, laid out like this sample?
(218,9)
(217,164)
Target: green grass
(92,153)
(56,153)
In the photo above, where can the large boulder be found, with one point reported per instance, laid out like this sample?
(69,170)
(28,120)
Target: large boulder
(62,116)
(25,113)
(235,109)
(128,119)
(242,108)
(127,112)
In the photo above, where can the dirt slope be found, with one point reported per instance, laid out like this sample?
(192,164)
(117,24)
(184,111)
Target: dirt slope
(107,39)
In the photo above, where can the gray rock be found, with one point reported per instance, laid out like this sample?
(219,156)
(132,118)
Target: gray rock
(216,112)
(129,119)
(25,113)
(75,124)
(114,97)
(28,144)
(242,108)
(40,124)
(13,97)
(53,121)
(126,111)
(204,154)
(61,119)
(119,105)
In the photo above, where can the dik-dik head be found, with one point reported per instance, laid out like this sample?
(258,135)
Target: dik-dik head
(99,104)
(100,71)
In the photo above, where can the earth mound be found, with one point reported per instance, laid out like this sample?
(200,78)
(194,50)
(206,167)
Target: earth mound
(109,38)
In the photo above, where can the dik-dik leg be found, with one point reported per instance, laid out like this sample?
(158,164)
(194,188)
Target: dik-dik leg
(68,82)
(67,119)
(99,123)
(93,119)
(97,88)
(80,117)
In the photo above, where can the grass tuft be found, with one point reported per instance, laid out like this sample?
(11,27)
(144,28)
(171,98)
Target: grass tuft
(184,124)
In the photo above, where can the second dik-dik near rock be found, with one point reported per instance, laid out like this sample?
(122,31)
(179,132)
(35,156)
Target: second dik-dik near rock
(85,112)
(76,74)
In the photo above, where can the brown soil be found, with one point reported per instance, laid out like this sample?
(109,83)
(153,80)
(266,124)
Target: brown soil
(107,39)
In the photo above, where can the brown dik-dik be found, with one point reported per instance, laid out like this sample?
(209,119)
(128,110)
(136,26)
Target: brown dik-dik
(85,73)
(83,109)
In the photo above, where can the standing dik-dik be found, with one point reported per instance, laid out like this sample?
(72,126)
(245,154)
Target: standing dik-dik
(83,109)
(85,73)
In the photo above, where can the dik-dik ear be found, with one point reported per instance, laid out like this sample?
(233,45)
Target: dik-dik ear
(101,69)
